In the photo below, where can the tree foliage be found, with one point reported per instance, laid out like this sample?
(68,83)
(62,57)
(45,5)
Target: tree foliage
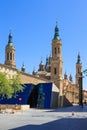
(5,87)
(85,72)
(9,88)
(16,85)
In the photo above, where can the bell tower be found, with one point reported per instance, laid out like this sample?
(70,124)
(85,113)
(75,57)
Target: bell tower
(56,60)
(10,53)
(56,65)
(78,69)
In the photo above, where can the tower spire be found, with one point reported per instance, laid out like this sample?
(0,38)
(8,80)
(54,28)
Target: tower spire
(10,39)
(78,69)
(78,59)
(23,68)
(56,34)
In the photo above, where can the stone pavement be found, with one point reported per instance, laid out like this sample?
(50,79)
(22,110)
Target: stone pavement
(71,118)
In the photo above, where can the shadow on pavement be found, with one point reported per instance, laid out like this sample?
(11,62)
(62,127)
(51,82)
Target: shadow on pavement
(60,124)
(70,109)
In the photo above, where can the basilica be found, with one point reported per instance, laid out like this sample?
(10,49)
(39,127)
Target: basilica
(50,72)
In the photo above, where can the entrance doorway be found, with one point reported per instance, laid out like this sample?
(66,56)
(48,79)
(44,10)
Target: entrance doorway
(33,98)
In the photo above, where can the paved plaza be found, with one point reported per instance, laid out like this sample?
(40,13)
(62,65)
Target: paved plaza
(71,118)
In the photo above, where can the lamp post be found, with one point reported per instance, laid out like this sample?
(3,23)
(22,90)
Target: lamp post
(80,90)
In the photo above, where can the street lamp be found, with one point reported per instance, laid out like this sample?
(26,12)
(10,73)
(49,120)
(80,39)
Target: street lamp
(81,90)
(81,86)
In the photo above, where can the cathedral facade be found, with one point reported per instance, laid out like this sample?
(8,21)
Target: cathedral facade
(52,71)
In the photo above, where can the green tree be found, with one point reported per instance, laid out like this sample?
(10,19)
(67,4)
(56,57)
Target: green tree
(5,87)
(9,87)
(16,85)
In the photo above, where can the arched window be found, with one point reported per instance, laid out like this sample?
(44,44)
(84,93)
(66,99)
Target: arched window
(10,55)
(55,50)
(7,56)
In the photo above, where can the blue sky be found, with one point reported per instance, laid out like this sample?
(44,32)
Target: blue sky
(32,23)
